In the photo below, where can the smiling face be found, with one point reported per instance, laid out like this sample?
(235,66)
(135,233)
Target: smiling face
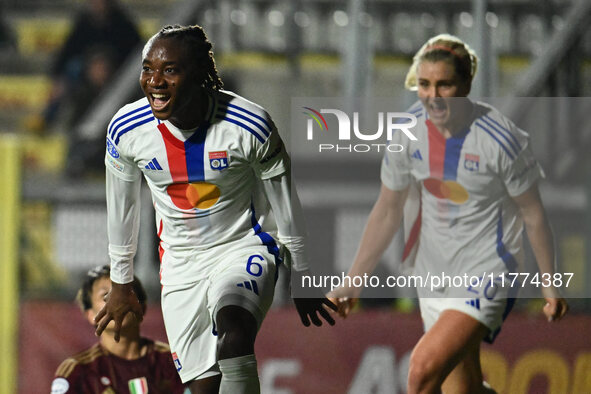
(171,82)
(438,83)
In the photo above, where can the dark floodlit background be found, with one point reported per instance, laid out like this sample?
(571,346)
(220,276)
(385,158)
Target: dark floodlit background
(52,205)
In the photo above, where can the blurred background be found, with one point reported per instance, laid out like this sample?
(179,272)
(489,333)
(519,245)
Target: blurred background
(66,66)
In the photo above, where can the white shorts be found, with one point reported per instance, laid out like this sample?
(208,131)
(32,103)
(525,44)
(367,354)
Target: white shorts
(245,277)
(491,313)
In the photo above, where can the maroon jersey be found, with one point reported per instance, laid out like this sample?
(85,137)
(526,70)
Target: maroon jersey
(97,371)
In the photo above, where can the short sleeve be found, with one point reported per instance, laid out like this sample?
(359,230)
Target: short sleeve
(520,173)
(395,172)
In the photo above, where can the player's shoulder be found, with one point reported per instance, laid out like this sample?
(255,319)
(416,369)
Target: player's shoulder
(78,360)
(130,117)
(242,113)
(408,126)
(498,130)
(417,110)
(233,100)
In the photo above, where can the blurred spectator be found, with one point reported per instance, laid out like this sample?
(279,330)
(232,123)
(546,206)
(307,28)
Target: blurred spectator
(129,363)
(7,37)
(101,23)
(86,155)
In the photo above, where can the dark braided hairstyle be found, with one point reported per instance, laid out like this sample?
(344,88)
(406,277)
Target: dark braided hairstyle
(199,47)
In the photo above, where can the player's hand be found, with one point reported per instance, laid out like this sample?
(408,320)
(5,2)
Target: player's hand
(120,301)
(345,299)
(308,307)
(344,305)
(556,306)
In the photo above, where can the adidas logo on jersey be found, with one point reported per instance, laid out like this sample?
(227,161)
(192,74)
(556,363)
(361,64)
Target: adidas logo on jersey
(475,303)
(153,165)
(250,285)
(417,155)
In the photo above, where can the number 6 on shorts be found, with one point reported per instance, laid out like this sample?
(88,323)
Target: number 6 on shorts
(253,267)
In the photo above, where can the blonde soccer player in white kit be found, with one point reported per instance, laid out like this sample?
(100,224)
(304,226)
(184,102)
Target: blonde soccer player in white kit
(214,163)
(477,181)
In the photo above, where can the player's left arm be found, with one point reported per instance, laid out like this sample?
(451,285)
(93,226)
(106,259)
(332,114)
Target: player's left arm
(271,164)
(521,174)
(289,217)
(541,239)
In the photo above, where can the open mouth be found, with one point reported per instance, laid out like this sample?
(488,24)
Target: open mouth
(438,108)
(159,100)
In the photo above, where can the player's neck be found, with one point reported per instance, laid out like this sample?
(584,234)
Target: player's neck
(465,110)
(193,113)
(129,347)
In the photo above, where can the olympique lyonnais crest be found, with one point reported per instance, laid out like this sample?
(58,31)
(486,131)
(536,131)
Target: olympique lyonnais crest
(471,162)
(177,362)
(218,160)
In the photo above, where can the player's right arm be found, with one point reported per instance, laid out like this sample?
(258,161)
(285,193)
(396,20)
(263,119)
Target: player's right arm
(383,222)
(123,182)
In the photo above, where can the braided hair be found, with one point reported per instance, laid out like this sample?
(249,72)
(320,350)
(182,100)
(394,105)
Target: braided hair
(444,47)
(199,47)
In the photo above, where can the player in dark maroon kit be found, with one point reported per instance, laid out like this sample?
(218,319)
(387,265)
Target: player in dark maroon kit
(134,364)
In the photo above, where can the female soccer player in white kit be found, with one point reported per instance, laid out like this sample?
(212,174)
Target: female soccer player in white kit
(478,186)
(214,162)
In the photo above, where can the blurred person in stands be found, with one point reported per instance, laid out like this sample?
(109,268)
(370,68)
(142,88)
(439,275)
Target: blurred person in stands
(215,164)
(478,185)
(7,37)
(133,364)
(100,23)
(85,154)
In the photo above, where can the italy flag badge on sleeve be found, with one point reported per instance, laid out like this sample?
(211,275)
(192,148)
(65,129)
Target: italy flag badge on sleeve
(138,386)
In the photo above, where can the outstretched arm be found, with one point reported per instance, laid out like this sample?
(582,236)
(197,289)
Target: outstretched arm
(383,222)
(123,206)
(542,241)
(288,215)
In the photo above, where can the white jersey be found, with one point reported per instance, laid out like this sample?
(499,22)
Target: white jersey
(205,183)
(468,221)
